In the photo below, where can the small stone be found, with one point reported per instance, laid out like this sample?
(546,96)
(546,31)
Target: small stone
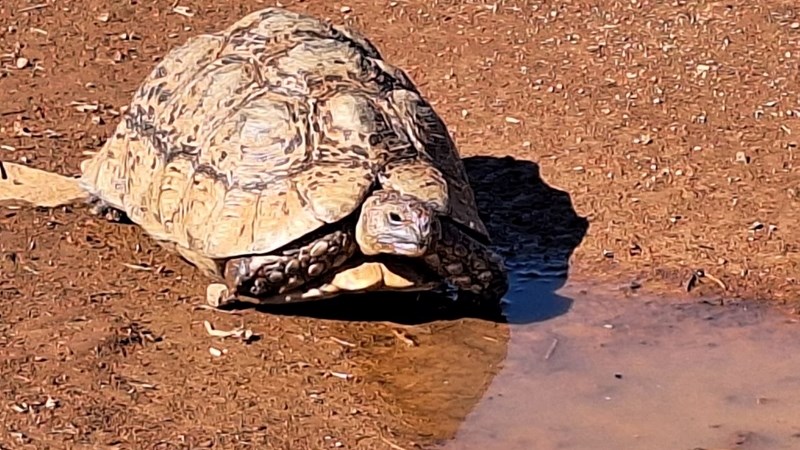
(20,408)
(216,293)
(22,63)
(345,9)
(742,158)
(50,403)
(183,10)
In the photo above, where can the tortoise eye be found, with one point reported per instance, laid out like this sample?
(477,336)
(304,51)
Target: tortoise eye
(395,218)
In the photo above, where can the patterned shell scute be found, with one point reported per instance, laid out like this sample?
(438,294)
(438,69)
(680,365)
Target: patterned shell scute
(241,141)
(428,133)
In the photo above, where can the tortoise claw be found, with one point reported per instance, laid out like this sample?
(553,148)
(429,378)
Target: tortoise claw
(103,210)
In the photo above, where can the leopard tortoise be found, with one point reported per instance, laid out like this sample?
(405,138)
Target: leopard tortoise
(283,156)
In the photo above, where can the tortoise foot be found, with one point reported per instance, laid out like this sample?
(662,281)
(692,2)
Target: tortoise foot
(472,269)
(103,210)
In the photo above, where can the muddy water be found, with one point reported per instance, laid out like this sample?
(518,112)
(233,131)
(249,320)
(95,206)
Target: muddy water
(595,370)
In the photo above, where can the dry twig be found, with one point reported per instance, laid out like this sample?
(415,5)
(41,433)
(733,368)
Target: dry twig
(551,350)
(32,8)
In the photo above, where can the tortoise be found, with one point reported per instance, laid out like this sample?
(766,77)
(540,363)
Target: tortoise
(284,157)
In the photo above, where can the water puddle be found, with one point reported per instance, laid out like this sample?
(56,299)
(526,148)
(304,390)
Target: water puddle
(600,371)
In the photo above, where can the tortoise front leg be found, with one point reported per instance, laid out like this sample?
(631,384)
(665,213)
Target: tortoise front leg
(264,276)
(469,265)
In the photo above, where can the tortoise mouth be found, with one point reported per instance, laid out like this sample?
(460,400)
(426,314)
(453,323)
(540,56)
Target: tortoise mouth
(404,248)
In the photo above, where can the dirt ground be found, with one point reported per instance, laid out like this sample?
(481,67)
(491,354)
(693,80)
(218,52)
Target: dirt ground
(647,140)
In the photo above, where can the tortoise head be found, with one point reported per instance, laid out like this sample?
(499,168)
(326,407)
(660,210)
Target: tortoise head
(395,224)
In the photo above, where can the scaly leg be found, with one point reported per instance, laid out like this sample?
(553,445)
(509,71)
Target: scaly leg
(271,275)
(476,271)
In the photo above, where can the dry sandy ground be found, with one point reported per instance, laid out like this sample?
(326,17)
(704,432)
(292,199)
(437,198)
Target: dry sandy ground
(670,128)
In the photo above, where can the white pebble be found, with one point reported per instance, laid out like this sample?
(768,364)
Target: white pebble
(216,293)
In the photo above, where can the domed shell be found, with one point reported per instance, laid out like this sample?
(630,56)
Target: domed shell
(242,141)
